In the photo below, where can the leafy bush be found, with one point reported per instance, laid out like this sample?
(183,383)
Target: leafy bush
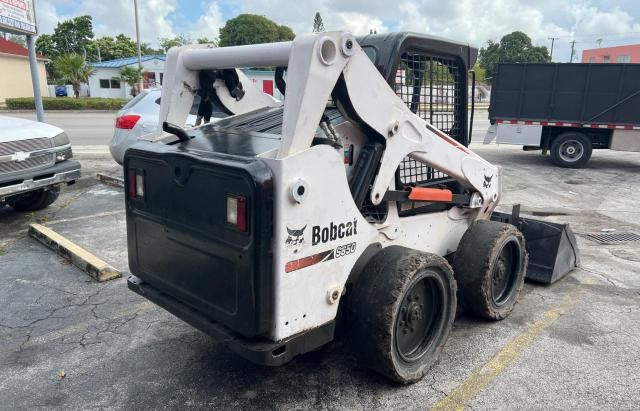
(66,103)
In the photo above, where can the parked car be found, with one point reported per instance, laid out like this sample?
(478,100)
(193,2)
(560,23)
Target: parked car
(34,163)
(140,116)
(61,91)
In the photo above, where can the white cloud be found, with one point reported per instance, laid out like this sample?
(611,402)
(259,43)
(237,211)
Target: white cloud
(474,21)
(208,25)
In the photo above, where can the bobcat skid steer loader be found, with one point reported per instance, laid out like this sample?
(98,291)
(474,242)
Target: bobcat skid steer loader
(265,228)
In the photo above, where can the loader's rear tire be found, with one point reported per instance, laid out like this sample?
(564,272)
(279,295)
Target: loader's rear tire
(490,266)
(401,311)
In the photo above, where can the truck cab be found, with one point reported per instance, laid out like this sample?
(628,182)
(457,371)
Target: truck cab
(35,160)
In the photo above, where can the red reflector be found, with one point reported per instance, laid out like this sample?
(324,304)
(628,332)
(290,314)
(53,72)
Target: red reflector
(241,223)
(127,122)
(132,184)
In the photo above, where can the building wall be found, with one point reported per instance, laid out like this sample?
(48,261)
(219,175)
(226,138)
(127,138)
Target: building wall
(264,80)
(154,67)
(620,54)
(15,77)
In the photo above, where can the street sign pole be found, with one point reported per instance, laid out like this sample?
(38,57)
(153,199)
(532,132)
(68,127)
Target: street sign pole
(35,77)
(135,6)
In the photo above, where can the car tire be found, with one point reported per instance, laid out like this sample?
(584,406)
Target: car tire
(401,311)
(490,266)
(571,150)
(36,200)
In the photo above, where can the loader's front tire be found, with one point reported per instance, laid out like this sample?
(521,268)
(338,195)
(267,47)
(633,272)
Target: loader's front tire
(401,311)
(490,266)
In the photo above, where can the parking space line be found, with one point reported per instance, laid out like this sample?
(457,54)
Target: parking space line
(482,377)
(84,217)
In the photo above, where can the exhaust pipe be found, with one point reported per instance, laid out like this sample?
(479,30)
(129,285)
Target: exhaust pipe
(553,249)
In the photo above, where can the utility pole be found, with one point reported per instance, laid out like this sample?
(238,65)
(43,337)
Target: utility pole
(35,77)
(573,45)
(553,40)
(135,6)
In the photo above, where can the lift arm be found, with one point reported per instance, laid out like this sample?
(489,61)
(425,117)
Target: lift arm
(315,63)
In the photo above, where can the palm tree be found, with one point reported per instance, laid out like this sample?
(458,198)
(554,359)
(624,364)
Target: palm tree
(73,69)
(132,76)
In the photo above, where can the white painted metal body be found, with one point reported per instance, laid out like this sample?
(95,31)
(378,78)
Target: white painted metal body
(517,134)
(315,63)
(625,140)
(531,135)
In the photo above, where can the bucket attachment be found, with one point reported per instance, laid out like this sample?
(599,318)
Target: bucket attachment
(553,250)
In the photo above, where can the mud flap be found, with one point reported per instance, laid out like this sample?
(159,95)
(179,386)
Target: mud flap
(553,249)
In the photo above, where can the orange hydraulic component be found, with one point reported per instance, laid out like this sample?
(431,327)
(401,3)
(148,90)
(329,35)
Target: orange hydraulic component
(430,194)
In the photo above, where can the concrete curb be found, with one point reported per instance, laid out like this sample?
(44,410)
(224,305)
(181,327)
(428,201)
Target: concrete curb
(110,180)
(81,258)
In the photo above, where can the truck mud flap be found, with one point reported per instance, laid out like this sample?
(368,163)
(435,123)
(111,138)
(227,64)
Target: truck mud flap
(553,249)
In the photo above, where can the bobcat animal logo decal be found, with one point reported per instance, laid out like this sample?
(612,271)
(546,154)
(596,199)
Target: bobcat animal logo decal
(487,180)
(295,237)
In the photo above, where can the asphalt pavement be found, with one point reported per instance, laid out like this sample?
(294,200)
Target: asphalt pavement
(88,131)
(91,131)
(69,342)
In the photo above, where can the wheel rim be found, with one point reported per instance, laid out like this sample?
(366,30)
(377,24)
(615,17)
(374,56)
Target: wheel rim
(419,317)
(504,273)
(571,151)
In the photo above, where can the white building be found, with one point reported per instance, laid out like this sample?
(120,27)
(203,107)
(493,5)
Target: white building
(104,82)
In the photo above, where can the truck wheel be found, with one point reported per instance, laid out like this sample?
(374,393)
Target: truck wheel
(401,311)
(36,200)
(571,150)
(490,266)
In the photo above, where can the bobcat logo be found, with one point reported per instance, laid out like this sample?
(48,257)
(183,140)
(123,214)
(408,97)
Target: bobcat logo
(295,237)
(487,181)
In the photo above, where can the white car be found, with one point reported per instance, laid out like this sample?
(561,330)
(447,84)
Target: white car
(139,117)
(34,163)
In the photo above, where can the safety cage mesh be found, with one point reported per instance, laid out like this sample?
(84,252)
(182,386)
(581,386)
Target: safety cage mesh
(432,87)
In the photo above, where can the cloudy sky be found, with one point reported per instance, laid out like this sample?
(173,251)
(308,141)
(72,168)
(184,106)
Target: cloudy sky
(613,22)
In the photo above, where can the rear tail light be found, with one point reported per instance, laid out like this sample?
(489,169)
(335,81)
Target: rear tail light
(136,185)
(127,122)
(237,212)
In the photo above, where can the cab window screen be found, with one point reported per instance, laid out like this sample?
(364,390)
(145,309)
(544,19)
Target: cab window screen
(433,88)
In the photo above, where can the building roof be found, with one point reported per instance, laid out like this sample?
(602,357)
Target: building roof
(126,61)
(14,49)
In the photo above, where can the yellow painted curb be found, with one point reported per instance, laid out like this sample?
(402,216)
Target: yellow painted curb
(81,258)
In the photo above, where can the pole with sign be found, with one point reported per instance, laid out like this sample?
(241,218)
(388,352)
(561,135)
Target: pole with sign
(19,17)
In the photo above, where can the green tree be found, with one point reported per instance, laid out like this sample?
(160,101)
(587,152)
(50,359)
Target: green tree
(73,35)
(146,49)
(132,76)
(167,43)
(480,73)
(515,47)
(111,48)
(205,40)
(73,68)
(318,24)
(14,38)
(45,46)
(252,29)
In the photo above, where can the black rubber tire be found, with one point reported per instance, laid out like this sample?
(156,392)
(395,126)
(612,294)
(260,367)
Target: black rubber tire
(375,310)
(579,140)
(36,200)
(478,262)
